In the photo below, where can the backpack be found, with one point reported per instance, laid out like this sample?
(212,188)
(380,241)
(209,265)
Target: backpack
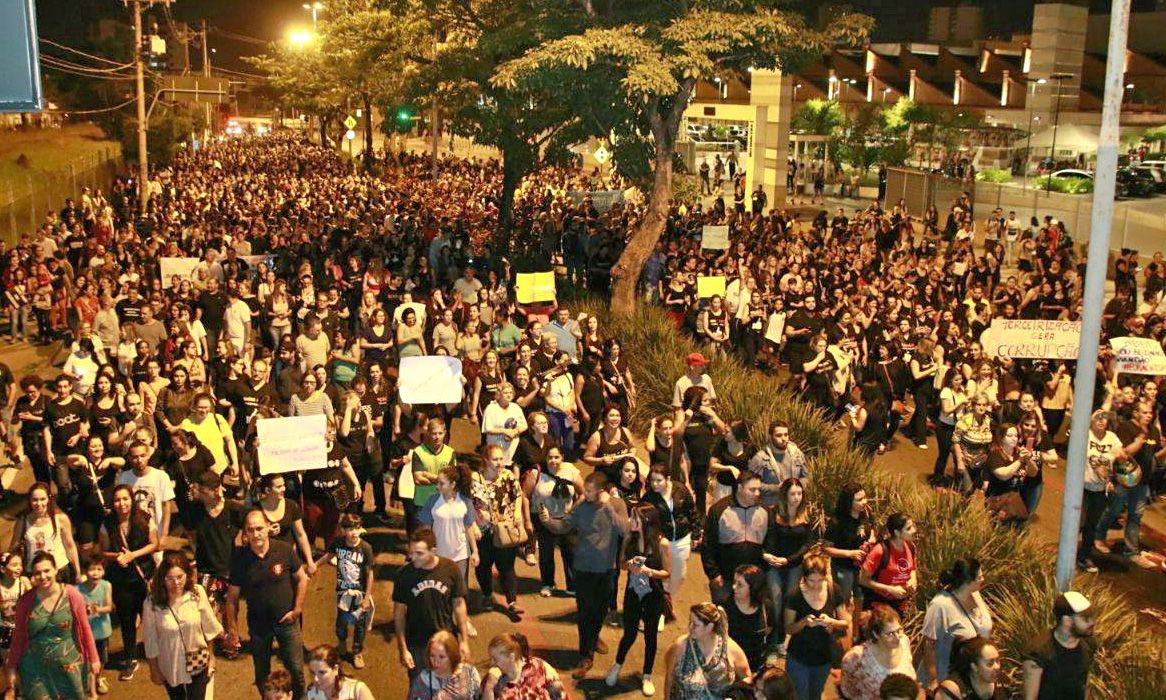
(885,560)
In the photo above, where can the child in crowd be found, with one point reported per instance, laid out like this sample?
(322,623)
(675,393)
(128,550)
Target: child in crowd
(354,604)
(278,686)
(13,584)
(98,595)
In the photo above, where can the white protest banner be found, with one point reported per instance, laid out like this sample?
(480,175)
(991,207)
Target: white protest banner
(292,444)
(430,379)
(602,200)
(184,267)
(1031,339)
(1138,356)
(714,237)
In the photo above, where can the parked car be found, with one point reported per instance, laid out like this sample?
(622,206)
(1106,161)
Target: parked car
(1137,183)
(1155,174)
(1074,173)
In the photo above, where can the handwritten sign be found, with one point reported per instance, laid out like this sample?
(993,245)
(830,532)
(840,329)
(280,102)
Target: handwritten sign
(710,286)
(298,443)
(602,200)
(430,379)
(1019,338)
(184,268)
(531,287)
(714,237)
(1138,356)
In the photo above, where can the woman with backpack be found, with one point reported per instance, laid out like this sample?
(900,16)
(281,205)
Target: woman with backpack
(889,570)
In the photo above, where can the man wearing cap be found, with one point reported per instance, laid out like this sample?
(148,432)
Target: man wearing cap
(1057,663)
(694,377)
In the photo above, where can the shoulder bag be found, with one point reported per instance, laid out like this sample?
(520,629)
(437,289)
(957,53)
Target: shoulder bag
(510,533)
(197,660)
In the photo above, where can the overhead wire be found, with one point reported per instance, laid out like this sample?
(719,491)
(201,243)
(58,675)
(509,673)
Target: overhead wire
(98,111)
(51,64)
(83,68)
(70,49)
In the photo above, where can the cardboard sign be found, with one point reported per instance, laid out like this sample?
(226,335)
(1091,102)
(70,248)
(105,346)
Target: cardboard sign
(1138,356)
(602,200)
(710,286)
(430,379)
(292,444)
(184,267)
(714,237)
(1030,339)
(532,287)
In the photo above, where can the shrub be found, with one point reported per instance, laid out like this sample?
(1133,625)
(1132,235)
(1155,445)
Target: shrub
(1065,185)
(1017,568)
(994,175)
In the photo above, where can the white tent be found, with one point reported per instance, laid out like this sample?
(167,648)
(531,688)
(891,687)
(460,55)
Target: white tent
(1071,140)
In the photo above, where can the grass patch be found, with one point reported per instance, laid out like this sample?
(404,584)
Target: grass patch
(1018,568)
(38,151)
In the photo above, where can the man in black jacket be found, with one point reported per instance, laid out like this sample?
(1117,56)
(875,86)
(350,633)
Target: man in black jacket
(734,533)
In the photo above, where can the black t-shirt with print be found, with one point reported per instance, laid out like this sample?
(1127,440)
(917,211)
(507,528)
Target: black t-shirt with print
(30,430)
(64,421)
(268,583)
(429,595)
(320,484)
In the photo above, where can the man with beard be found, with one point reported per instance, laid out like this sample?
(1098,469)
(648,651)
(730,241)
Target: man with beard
(801,327)
(1056,663)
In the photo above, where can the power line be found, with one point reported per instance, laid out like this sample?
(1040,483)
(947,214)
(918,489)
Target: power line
(240,73)
(102,59)
(239,37)
(51,63)
(97,111)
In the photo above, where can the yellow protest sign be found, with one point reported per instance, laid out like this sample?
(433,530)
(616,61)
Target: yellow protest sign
(532,287)
(710,286)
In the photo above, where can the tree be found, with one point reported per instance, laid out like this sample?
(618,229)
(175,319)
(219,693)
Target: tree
(818,117)
(657,53)
(860,140)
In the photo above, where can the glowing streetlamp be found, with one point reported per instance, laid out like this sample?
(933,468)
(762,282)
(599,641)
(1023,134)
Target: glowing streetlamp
(300,38)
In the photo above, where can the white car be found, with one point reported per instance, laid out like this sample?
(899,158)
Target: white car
(1074,174)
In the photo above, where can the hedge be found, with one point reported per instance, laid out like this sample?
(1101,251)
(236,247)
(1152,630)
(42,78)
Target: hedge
(1018,568)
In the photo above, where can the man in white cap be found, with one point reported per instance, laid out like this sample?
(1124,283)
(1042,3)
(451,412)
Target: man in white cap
(1056,664)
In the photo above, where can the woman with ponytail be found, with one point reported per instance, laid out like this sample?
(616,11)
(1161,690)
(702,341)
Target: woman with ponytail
(450,512)
(704,663)
(956,613)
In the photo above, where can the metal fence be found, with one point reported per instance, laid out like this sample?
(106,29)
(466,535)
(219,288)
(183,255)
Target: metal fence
(921,189)
(24,202)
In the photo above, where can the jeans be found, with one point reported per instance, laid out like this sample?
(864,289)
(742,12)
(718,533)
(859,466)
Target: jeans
(1031,495)
(359,628)
(780,584)
(128,598)
(680,550)
(561,430)
(291,652)
(636,609)
(1133,501)
(18,323)
(943,436)
(420,659)
(917,428)
(846,579)
(593,607)
(194,690)
(501,558)
(1096,503)
(547,541)
(809,681)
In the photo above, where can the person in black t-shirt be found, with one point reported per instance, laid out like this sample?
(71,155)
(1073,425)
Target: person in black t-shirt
(429,595)
(1057,663)
(271,577)
(215,523)
(29,413)
(212,304)
(66,424)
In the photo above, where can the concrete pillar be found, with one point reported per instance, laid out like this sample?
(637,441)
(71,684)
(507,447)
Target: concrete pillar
(1058,46)
(772,95)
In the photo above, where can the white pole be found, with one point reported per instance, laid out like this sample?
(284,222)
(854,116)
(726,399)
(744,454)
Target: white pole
(1103,188)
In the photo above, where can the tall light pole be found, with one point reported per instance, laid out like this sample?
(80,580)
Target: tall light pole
(1028,138)
(140,89)
(1104,183)
(1060,78)
(314,8)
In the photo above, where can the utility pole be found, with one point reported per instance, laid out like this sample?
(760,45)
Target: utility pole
(206,71)
(433,135)
(1104,183)
(1059,77)
(140,84)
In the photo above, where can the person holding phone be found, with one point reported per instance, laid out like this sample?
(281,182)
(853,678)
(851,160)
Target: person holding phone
(815,615)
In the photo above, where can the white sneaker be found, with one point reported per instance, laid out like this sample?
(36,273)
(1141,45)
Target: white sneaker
(647,687)
(660,624)
(612,676)
(470,629)
(1143,561)
(545,591)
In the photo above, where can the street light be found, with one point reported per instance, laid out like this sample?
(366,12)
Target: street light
(299,38)
(314,8)
(1059,77)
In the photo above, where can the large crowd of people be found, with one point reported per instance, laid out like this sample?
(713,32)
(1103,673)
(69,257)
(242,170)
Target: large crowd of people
(307,283)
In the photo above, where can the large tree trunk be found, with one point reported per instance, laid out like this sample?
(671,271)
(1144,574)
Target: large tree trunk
(510,177)
(367,99)
(664,120)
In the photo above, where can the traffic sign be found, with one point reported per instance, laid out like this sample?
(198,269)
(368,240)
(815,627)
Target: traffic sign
(350,122)
(602,155)
(350,134)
